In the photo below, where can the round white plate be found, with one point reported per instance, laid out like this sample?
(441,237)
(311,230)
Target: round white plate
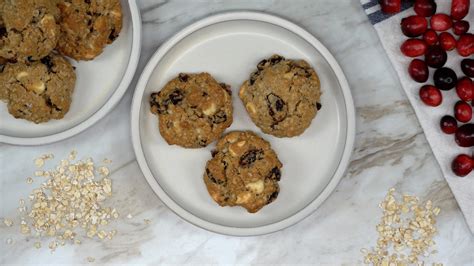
(229,46)
(100,85)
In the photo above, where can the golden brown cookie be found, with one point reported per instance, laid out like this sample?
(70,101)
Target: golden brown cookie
(282,96)
(244,171)
(87,26)
(38,91)
(193,110)
(28,29)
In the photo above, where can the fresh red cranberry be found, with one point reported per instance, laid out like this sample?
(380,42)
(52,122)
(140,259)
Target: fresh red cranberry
(465,89)
(425,8)
(431,95)
(459,9)
(391,6)
(436,56)
(413,47)
(462,111)
(418,70)
(464,136)
(414,26)
(460,27)
(447,41)
(448,124)
(467,66)
(445,78)
(430,37)
(462,165)
(465,44)
(441,22)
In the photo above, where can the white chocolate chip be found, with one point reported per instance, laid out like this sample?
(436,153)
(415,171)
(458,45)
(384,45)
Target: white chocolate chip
(243,197)
(21,75)
(256,186)
(251,108)
(38,87)
(210,110)
(236,149)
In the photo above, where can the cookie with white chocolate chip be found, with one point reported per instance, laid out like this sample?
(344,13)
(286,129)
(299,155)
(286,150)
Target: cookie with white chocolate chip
(193,110)
(244,171)
(38,91)
(282,96)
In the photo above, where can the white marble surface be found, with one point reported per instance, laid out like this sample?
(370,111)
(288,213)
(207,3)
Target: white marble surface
(391,151)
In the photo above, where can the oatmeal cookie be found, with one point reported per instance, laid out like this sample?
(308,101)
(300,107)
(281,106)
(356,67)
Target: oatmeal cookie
(87,26)
(193,110)
(38,91)
(282,96)
(28,29)
(244,171)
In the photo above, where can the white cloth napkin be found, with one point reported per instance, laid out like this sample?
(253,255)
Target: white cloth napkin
(444,147)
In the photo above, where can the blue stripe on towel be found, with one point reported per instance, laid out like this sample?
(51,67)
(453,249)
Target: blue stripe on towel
(379,16)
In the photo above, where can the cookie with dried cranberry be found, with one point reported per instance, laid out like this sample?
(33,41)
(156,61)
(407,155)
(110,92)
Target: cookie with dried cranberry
(38,91)
(193,110)
(28,29)
(87,26)
(244,171)
(282,96)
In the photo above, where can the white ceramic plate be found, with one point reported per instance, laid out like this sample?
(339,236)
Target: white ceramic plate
(229,46)
(100,85)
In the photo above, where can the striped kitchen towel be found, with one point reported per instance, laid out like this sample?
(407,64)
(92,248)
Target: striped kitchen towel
(444,147)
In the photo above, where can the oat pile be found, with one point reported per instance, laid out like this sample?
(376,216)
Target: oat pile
(405,232)
(68,204)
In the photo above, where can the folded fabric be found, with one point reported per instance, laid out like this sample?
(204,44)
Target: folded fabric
(444,147)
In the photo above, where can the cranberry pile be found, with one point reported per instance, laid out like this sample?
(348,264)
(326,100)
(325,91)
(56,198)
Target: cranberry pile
(432,35)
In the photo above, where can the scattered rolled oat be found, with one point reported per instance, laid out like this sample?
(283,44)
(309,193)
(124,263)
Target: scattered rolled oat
(7,222)
(405,232)
(29,180)
(68,202)
(147,221)
(90,259)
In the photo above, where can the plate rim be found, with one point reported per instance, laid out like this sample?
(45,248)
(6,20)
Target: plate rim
(108,106)
(135,122)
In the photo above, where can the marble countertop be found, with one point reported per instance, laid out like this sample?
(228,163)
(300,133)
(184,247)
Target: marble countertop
(390,151)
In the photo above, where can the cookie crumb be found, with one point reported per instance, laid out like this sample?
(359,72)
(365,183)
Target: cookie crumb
(90,259)
(9,241)
(129,216)
(37,245)
(29,180)
(146,221)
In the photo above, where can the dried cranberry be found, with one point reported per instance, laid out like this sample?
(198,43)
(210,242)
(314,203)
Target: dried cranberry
(250,157)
